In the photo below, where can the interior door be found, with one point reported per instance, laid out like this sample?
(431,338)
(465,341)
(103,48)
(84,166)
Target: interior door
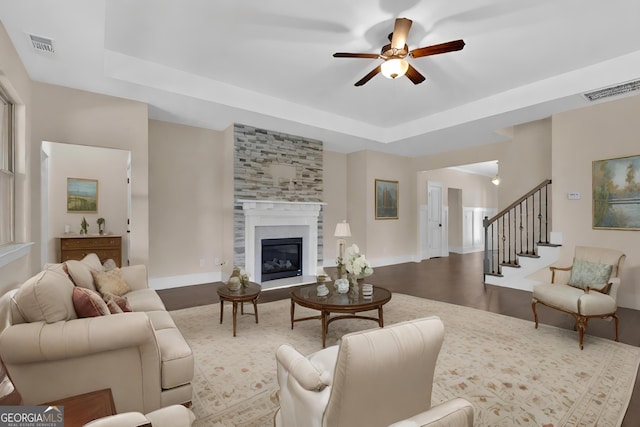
(435,220)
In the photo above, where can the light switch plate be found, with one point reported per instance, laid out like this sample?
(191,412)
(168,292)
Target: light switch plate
(574,195)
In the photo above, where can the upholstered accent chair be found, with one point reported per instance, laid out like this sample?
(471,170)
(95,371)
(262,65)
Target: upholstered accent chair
(587,289)
(169,416)
(377,377)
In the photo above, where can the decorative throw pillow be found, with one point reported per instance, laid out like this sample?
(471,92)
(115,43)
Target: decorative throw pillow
(88,303)
(110,281)
(113,307)
(109,265)
(589,274)
(121,302)
(46,297)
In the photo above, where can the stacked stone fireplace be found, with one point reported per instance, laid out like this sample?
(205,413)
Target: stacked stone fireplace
(278,189)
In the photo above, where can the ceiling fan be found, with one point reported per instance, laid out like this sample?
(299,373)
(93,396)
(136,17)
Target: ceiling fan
(394,54)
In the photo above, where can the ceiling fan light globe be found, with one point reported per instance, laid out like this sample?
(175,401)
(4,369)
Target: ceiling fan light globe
(393,68)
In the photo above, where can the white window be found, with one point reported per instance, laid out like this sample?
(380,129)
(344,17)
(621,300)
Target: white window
(6,170)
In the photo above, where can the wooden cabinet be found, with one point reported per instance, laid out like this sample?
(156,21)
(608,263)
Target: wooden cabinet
(77,247)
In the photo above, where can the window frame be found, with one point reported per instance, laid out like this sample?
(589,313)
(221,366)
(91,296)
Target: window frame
(7,169)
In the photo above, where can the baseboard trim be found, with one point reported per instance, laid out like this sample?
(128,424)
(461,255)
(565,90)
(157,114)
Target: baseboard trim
(184,280)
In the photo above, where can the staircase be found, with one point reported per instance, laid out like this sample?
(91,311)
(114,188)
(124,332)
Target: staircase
(518,241)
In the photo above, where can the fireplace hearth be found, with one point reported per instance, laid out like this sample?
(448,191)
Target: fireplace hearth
(281,258)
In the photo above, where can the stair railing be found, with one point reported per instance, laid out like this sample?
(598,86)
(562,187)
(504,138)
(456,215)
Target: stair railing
(517,230)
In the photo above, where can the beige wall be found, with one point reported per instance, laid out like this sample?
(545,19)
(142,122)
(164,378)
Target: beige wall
(77,117)
(334,175)
(186,178)
(382,241)
(525,162)
(602,131)
(109,167)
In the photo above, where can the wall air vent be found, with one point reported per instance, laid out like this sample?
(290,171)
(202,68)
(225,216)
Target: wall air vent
(42,44)
(621,89)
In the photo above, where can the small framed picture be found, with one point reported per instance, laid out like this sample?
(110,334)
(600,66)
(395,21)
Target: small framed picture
(386,199)
(82,195)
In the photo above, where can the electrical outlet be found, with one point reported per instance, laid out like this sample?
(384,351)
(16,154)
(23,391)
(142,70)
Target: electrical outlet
(202,262)
(216,261)
(574,195)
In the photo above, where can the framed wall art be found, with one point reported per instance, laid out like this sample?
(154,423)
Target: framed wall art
(386,199)
(616,193)
(82,195)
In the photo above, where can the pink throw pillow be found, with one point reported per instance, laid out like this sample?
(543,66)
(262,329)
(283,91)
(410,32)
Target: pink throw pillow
(88,303)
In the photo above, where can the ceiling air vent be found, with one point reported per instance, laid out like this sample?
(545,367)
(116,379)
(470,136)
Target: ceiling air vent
(42,44)
(621,89)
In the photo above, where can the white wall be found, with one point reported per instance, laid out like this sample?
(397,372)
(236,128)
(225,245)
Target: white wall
(109,167)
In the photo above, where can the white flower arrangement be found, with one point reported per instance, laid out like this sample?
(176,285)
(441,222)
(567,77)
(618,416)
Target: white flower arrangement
(356,263)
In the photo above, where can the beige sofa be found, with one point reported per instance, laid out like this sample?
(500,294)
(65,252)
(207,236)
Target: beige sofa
(50,353)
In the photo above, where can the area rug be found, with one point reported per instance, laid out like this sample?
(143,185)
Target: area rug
(513,374)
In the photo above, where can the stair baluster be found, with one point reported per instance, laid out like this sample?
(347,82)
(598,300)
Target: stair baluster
(506,235)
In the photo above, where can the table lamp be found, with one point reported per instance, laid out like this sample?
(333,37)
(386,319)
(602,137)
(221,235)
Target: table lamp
(342,231)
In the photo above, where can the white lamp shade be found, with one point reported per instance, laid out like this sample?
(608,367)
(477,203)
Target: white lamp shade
(342,229)
(393,68)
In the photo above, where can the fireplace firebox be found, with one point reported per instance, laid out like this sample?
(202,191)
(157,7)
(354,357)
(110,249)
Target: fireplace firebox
(281,258)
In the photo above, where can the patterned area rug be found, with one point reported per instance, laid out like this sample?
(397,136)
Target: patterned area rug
(513,374)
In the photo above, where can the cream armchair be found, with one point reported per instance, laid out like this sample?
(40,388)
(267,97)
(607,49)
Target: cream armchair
(587,289)
(373,378)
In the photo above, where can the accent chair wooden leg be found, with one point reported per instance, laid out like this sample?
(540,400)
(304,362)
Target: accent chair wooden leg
(615,317)
(581,322)
(535,313)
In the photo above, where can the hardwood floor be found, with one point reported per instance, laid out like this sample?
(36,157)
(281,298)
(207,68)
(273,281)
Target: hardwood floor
(455,279)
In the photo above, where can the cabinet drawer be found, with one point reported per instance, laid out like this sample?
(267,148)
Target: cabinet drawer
(106,247)
(103,254)
(90,242)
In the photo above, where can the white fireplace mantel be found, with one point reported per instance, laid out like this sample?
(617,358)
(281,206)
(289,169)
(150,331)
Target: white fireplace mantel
(266,219)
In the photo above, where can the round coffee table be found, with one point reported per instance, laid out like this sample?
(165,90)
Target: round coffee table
(350,302)
(251,292)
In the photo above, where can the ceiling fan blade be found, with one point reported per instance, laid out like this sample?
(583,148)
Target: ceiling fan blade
(437,49)
(369,76)
(400,33)
(356,55)
(414,75)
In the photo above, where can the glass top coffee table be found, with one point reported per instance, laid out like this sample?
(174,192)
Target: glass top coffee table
(349,303)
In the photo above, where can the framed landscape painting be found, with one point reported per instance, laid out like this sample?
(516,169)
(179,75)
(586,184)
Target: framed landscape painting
(386,199)
(616,193)
(82,195)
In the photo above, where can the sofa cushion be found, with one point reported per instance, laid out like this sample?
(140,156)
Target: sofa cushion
(80,273)
(110,281)
(564,297)
(145,300)
(176,357)
(160,319)
(88,303)
(46,297)
(586,273)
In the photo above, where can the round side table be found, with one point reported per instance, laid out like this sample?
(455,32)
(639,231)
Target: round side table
(249,293)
